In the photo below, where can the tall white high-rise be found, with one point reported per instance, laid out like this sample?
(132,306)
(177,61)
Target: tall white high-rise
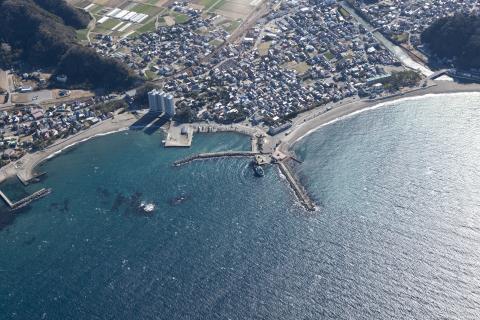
(159,101)
(169,106)
(156,101)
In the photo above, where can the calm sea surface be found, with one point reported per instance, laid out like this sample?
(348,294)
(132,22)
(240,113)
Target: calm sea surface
(396,235)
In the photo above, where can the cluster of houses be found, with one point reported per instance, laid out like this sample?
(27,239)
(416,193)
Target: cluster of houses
(312,54)
(302,54)
(405,20)
(34,127)
(171,48)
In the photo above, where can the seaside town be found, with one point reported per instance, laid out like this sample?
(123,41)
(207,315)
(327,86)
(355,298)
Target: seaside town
(278,59)
(404,21)
(239,159)
(330,57)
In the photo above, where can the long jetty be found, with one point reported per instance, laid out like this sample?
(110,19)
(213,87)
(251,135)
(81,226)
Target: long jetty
(302,195)
(213,155)
(25,201)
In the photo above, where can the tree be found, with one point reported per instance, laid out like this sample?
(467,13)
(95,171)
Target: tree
(456,37)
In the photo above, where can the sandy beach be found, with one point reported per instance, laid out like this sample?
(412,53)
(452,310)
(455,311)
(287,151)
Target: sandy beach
(303,124)
(25,166)
(309,121)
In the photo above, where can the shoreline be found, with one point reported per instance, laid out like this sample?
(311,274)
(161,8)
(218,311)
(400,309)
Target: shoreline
(24,167)
(303,125)
(311,121)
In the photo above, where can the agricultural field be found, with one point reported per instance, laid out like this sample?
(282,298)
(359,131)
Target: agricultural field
(147,9)
(231,9)
(236,9)
(117,27)
(230,25)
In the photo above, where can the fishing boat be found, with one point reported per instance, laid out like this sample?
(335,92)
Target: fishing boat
(259,172)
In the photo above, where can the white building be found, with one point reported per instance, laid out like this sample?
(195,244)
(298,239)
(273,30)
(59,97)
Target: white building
(156,101)
(160,102)
(169,106)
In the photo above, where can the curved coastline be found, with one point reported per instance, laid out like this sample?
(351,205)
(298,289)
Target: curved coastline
(312,121)
(24,168)
(304,125)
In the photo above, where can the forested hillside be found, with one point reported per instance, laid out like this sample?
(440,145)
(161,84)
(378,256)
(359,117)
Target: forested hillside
(456,37)
(42,34)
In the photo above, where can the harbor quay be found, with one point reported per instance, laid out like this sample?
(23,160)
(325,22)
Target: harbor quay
(181,135)
(259,158)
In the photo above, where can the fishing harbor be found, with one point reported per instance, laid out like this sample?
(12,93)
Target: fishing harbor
(263,153)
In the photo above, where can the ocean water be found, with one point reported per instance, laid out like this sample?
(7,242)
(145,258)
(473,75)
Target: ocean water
(396,234)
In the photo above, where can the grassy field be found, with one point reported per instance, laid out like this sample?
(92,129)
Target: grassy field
(147,9)
(400,38)
(217,5)
(82,35)
(216,42)
(328,55)
(212,5)
(179,17)
(344,12)
(207,3)
(148,27)
(150,75)
(263,48)
(96,9)
(232,25)
(232,9)
(107,25)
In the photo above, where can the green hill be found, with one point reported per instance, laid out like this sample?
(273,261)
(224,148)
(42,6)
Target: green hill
(71,16)
(456,37)
(42,33)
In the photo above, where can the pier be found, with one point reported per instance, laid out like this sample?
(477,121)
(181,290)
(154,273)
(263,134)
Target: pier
(213,155)
(25,201)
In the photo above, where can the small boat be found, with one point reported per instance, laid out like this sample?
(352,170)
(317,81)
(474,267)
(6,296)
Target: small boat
(259,172)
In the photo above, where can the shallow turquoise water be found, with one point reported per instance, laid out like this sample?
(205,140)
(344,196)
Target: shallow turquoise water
(396,235)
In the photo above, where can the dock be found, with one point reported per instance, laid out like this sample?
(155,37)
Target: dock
(302,195)
(179,136)
(25,201)
(213,155)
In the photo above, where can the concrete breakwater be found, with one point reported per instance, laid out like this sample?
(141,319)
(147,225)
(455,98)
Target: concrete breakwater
(203,156)
(25,201)
(299,191)
(301,194)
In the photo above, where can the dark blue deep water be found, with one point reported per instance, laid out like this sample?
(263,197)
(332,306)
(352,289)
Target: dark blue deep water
(396,235)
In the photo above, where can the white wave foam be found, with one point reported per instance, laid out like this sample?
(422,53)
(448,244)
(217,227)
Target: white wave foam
(386,104)
(83,140)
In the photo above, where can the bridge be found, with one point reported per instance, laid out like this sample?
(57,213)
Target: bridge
(438,73)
